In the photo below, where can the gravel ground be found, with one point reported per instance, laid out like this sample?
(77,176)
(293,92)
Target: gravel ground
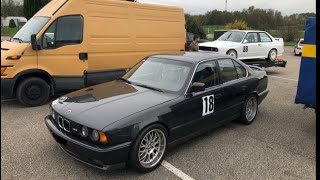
(280,144)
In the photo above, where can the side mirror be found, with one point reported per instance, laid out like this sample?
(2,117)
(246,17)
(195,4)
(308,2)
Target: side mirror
(197,87)
(34,44)
(245,41)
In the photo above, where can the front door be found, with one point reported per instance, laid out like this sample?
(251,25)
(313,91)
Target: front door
(198,111)
(252,48)
(63,53)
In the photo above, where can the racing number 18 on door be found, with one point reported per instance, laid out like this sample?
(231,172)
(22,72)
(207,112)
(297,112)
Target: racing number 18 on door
(208,105)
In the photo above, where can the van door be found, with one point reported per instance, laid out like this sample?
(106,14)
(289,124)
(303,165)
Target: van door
(64,52)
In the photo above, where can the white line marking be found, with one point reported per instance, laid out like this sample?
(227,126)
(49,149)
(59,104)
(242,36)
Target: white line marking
(7,100)
(176,171)
(284,78)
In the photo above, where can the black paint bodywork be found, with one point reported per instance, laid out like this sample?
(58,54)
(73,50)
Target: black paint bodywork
(122,110)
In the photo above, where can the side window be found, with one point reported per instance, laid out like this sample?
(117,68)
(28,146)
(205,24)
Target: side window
(252,37)
(48,40)
(264,37)
(242,72)
(227,70)
(65,30)
(207,73)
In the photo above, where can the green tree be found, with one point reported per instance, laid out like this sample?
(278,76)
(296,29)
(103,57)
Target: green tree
(12,24)
(194,26)
(237,24)
(30,7)
(8,8)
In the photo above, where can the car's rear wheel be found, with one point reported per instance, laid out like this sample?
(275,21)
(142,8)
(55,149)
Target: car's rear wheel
(232,53)
(250,109)
(149,148)
(273,54)
(33,91)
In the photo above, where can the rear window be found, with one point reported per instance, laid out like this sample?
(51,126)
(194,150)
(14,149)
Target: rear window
(301,42)
(227,70)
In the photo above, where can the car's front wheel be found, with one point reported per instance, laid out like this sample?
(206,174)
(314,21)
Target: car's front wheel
(273,54)
(232,53)
(148,149)
(250,109)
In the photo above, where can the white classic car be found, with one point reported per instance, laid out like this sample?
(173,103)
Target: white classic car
(246,44)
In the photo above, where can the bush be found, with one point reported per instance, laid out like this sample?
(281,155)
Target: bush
(290,33)
(12,24)
(241,25)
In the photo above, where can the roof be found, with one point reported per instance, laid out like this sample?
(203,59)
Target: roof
(247,30)
(190,57)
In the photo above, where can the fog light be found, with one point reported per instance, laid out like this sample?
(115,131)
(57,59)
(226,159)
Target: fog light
(84,131)
(95,135)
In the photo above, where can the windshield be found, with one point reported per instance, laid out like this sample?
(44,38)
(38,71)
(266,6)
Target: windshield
(234,36)
(301,43)
(33,26)
(162,74)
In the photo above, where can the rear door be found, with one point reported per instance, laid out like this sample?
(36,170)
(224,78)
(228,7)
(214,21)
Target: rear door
(63,52)
(234,88)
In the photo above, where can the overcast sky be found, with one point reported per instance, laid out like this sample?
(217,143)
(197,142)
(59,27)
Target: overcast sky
(286,7)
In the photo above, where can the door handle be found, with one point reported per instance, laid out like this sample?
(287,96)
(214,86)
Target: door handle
(259,44)
(83,56)
(243,88)
(218,96)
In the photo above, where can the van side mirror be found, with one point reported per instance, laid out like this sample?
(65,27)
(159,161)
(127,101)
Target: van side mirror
(245,41)
(34,44)
(197,87)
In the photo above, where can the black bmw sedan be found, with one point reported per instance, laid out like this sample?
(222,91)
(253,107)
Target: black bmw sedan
(163,100)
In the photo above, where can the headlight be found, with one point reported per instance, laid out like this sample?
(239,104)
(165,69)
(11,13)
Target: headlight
(84,131)
(95,135)
(52,112)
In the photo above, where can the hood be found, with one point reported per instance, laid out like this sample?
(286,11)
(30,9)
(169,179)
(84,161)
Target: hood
(10,49)
(101,105)
(218,44)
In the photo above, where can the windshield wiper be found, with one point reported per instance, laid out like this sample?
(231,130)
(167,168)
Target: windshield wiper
(20,40)
(149,87)
(125,80)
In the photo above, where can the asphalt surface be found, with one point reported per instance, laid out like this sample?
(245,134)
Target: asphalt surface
(280,144)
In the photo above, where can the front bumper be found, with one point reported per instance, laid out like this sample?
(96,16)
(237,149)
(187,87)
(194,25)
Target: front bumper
(107,158)
(7,86)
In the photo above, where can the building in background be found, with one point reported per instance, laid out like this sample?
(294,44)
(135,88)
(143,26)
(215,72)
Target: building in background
(19,21)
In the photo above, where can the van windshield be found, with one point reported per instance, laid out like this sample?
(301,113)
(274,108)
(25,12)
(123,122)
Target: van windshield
(33,26)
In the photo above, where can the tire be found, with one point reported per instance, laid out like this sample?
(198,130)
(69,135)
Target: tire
(273,54)
(232,53)
(134,160)
(33,91)
(247,117)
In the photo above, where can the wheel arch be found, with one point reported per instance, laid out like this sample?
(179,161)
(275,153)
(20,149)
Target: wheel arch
(34,73)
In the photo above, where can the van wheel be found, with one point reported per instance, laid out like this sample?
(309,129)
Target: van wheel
(149,149)
(33,91)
